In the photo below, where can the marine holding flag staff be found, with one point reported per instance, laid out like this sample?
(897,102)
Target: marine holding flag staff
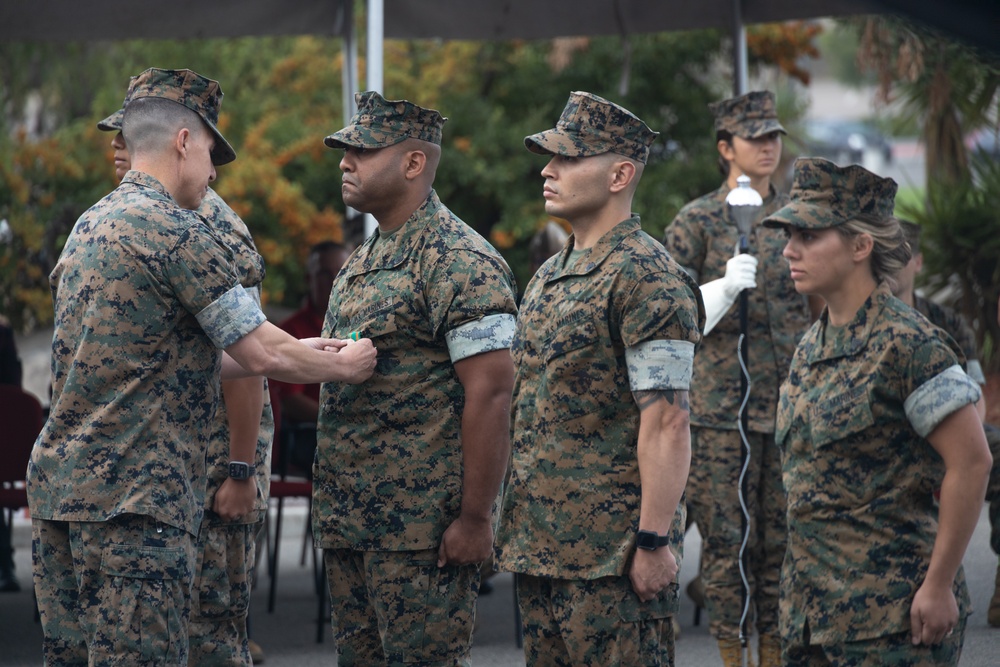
(875,413)
(702,239)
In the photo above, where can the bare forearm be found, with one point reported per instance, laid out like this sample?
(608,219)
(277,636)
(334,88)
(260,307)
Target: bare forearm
(488,380)
(485,451)
(961,442)
(244,399)
(664,455)
(270,351)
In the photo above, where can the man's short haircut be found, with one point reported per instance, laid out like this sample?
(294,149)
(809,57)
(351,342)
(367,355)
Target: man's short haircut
(152,122)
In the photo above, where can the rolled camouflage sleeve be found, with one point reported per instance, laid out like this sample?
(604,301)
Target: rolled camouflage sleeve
(231,318)
(939,397)
(493,332)
(660,364)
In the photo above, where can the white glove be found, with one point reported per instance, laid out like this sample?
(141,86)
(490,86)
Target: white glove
(720,295)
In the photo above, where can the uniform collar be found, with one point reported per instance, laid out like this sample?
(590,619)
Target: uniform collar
(598,253)
(852,338)
(386,251)
(145,180)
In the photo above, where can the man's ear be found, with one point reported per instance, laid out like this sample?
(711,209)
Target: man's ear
(181,141)
(414,163)
(624,172)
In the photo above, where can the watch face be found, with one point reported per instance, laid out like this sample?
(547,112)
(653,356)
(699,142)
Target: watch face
(646,540)
(239,470)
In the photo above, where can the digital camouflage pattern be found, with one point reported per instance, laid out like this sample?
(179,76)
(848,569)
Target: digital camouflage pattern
(562,617)
(824,195)
(379,123)
(250,267)
(388,472)
(591,125)
(225,550)
(702,238)
(895,650)
(859,477)
(571,509)
(145,294)
(113,592)
(747,116)
(714,504)
(197,93)
(401,607)
(220,597)
(113,123)
(956,327)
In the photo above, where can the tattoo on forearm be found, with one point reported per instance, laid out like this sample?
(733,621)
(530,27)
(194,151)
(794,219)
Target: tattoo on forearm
(644,399)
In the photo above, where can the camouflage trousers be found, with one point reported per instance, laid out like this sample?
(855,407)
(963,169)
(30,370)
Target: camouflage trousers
(221,595)
(713,503)
(398,608)
(113,592)
(890,651)
(993,490)
(570,622)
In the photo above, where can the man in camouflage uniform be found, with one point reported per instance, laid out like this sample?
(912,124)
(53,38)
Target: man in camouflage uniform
(702,239)
(875,413)
(956,326)
(234,508)
(145,295)
(593,519)
(409,466)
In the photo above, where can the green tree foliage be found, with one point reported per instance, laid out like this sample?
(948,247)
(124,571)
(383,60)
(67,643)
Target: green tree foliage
(283,95)
(961,247)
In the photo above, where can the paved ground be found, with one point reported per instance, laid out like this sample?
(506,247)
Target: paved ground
(289,634)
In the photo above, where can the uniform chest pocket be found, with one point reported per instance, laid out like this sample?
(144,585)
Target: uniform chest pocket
(572,336)
(840,415)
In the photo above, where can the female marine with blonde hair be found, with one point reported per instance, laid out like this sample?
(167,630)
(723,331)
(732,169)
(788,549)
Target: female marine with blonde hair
(875,413)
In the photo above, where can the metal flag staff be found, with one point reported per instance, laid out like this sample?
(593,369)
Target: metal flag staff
(744,203)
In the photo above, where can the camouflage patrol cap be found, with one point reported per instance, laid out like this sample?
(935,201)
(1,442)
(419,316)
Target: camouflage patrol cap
(825,195)
(380,122)
(747,116)
(113,123)
(197,93)
(591,125)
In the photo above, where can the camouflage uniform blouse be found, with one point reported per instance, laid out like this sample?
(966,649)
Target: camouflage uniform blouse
(145,294)
(854,414)
(702,239)
(572,507)
(388,472)
(250,267)
(955,325)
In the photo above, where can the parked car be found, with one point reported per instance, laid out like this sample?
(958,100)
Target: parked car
(844,141)
(985,142)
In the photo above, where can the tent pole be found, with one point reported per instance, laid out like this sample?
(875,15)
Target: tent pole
(739,50)
(373,68)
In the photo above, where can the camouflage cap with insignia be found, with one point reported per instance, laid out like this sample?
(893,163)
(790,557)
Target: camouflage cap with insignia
(113,123)
(591,125)
(825,195)
(380,122)
(197,93)
(747,116)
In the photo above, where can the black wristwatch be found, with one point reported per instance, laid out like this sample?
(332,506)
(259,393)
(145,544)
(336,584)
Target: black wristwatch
(239,470)
(650,541)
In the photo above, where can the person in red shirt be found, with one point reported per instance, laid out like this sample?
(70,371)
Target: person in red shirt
(299,403)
